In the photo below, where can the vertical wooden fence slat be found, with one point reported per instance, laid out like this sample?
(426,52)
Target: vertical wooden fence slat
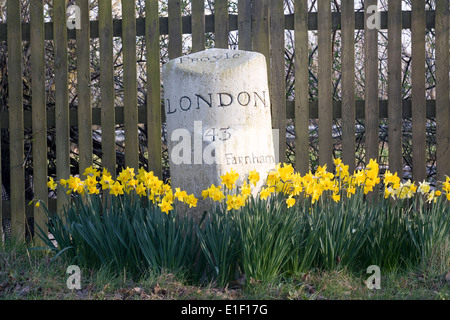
(175,29)
(153,87)
(107,87)
(261,43)
(395,87)
(245,24)
(325,84)
(1,179)
(260,29)
(221,25)
(301,86)
(38,107)
(16,133)
(130,84)
(371,86)
(442,90)
(61,96)
(418,90)
(277,73)
(198,25)
(348,84)
(84,91)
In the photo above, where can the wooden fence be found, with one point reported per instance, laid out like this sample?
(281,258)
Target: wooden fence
(261,26)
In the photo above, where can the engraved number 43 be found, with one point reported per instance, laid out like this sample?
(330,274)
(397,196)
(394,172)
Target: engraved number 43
(221,134)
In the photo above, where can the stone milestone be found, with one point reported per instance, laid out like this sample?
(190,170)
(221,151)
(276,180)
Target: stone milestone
(218,117)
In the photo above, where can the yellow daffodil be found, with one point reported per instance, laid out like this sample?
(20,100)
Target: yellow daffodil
(91,172)
(106,182)
(165,206)
(336,197)
(116,189)
(265,192)
(180,195)
(191,200)
(51,184)
(229,179)
(290,202)
(93,190)
(286,172)
(246,190)
(391,179)
(63,182)
(360,177)
(235,202)
(253,177)
(91,181)
(141,190)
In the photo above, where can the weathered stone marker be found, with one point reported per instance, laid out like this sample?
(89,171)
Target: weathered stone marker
(218,117)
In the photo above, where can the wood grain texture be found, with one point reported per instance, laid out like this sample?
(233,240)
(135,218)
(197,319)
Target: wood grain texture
(153,88)
(107,94)
(442,90)
(221,24)
(175,29)
(418,91)
(130,84)
(395,87)
(277,74)
(371,89)
(245,24)
(325,84)
(61,96)
(198,25)
(301,87)
(348,84)
(84,90)
(39,114)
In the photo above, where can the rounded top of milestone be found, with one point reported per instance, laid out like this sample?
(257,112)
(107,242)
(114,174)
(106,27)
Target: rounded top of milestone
(213,60)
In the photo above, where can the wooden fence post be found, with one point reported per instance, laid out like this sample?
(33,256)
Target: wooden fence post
(245,24)
(442,90)
(301,86)
(84,89)
(221,24)
(395,88)
(39,116)
(198,25)
(277,74)
(61,97)
(108,121)
(348,84)
(153,87)
(130,84)
(175,29)
(371,87)
(418,90)
(325,84)
(16,129)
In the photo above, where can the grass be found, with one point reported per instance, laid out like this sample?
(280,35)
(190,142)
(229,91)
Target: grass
(33,275)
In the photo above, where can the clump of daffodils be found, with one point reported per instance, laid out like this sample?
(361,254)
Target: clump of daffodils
(283,180)
(144,184)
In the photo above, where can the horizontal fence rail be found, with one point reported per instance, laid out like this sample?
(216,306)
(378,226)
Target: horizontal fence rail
(290,113)
(186,25)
